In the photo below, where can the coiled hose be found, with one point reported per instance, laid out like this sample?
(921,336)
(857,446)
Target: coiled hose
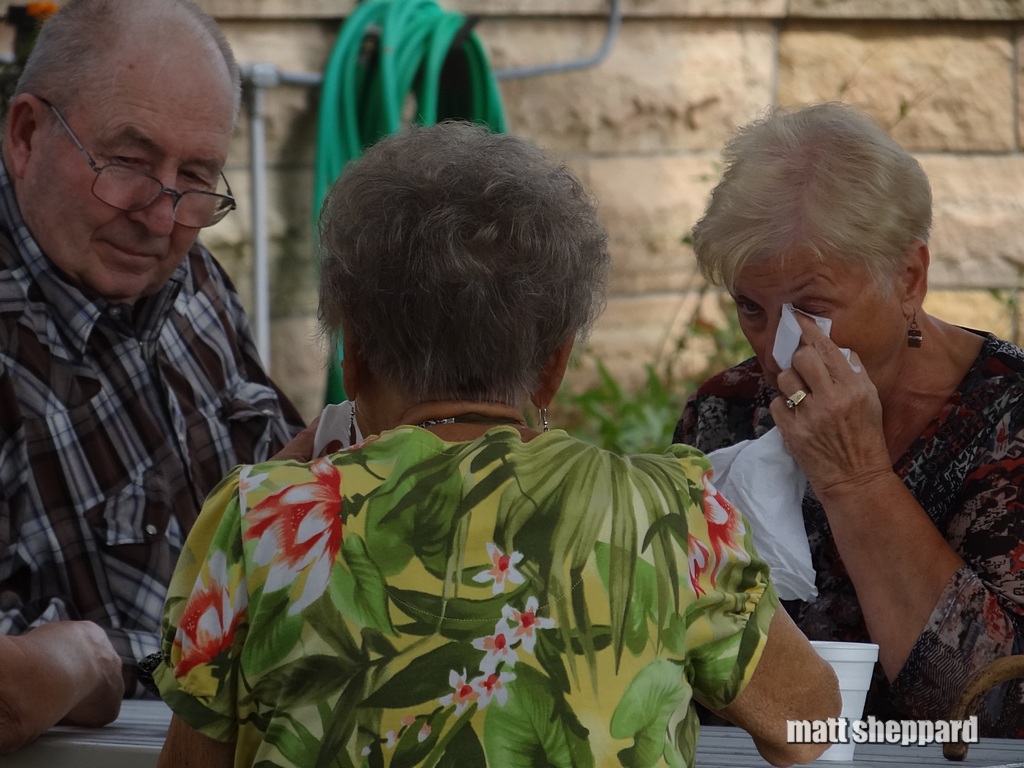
(391,54)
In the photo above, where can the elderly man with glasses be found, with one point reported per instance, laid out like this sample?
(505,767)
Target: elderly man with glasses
(129,381)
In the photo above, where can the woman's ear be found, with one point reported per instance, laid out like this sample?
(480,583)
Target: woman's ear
(914,275)
(552,374)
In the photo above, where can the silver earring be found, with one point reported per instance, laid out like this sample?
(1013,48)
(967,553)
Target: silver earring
(544,419)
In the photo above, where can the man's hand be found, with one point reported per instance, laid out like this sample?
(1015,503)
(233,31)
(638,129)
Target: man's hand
(65,671)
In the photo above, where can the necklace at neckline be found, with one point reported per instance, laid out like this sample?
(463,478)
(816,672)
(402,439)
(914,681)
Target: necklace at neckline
(472,418)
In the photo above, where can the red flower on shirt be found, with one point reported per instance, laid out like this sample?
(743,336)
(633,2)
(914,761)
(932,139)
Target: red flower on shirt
(699,558)
(211,616)
(299,531)
(725,527)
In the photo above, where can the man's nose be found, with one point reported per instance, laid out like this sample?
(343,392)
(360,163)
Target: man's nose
(158,216)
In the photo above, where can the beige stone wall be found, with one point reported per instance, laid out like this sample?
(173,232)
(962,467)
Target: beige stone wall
(645,127)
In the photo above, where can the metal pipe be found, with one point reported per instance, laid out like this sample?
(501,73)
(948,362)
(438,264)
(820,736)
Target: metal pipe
(611,33)
(258,78)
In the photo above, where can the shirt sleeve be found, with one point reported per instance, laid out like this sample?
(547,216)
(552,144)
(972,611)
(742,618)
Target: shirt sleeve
(727,625)
(206,619)
(979,616)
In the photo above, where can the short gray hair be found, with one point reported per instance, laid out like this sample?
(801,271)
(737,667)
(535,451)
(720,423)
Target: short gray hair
(72,46)
(822,179)
(460,260)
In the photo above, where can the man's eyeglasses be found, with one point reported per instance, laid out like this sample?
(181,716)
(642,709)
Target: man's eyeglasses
(130,190)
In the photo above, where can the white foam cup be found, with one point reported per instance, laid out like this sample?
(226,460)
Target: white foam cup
(853,664)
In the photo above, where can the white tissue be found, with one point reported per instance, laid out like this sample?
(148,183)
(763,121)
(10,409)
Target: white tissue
(764,481)
(761,478)
(787,337)
(336,423)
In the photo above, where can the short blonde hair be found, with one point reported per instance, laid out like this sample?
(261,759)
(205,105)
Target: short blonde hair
(822,179)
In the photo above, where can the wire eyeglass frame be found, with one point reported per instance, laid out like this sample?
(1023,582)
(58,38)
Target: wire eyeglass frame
(222,204)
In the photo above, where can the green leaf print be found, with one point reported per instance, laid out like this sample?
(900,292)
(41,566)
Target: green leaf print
(414,744)
(301,682)
(456,618)
(412,514)
(463,750)
(360,592)
(339,723)
(646,708)
(530,730)
(425,678)
(548,651)
(293,740)
(322,617)
(280,633)
(636,630)
(376,644)
(641,608)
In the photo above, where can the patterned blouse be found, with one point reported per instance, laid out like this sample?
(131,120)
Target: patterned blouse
(415,602)
(967,472)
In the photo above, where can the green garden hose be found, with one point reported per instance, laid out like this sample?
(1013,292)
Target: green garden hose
(390,54)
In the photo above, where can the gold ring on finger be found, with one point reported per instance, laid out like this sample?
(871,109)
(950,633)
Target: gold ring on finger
(795,399)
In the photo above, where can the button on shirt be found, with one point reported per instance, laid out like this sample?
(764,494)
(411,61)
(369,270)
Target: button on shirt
(115,423)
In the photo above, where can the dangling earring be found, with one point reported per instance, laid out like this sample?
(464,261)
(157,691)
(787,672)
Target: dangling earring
(544,419)
(914,335)
(352,424)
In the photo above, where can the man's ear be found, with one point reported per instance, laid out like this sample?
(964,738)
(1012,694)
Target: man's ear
(552,374)
(23,125)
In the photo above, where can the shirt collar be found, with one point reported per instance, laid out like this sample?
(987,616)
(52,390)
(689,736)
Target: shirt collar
(74,313)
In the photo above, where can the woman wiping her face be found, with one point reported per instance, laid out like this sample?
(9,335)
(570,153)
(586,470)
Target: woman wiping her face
(912,447)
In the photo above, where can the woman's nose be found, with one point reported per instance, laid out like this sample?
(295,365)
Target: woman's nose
(765,352)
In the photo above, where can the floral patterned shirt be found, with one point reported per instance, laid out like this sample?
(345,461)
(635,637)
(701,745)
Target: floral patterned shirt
(967,472)
(416,602)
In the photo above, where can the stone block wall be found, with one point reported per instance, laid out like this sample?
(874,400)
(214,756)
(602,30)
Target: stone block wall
(644,129)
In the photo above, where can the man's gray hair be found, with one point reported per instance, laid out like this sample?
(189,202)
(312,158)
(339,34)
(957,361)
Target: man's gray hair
(822,179)
(460,260)
(73,45)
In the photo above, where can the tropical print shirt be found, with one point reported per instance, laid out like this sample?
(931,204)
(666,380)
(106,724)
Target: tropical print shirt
(967,472)
(415,602)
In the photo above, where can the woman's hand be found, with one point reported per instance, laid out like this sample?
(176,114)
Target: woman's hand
(881,532)
(835,433)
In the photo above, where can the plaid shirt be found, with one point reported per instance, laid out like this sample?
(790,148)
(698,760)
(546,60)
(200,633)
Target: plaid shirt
(115,422)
